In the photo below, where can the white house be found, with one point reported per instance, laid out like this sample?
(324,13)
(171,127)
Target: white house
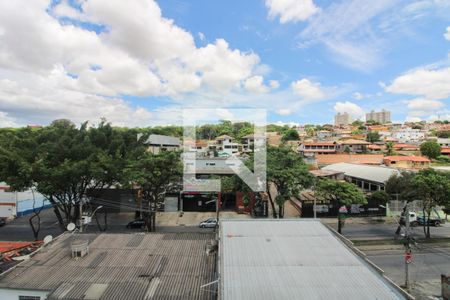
(13,204)
(406,135)
(226,146)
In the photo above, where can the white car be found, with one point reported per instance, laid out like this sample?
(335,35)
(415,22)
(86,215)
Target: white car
(210,223)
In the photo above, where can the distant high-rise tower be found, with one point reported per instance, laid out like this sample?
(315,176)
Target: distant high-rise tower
(342,119)
(381,117)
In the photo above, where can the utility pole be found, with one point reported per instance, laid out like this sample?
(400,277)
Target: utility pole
(80,206)
(408,254)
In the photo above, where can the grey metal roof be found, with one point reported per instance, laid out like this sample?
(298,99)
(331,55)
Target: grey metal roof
(120,266)
(293,259)
(157,139)
(371,173)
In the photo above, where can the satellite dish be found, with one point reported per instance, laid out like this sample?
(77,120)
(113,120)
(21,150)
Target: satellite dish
(71,227)
(48,239)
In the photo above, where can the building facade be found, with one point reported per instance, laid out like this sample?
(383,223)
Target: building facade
(342,119)
(381,117)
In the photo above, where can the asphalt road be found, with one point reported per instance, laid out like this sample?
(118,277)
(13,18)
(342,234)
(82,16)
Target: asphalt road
(425,270)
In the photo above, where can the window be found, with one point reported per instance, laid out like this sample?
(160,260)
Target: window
(29,297)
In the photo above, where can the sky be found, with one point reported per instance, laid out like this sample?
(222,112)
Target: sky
(141,62)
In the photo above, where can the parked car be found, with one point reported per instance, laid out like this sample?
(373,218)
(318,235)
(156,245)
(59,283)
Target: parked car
(430,221)
(139,223)
(2,222)
(210,223)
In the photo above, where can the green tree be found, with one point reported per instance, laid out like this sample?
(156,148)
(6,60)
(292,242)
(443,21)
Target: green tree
(430,149)
(347,149)
(445,134)
(291,135)
(345,194)
(390,148)
(156,175)
(400,188)
(373,136)
(379,197)
(289,174)
(433,187)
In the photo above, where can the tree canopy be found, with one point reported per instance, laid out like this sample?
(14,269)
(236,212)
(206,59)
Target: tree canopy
(430,149)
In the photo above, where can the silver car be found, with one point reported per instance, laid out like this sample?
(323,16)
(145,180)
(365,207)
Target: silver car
(210,223)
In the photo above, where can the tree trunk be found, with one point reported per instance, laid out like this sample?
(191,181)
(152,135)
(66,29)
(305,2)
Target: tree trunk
(424,223)
(427,221)
(57,212)
(403,214)
(281,211)
(272,204)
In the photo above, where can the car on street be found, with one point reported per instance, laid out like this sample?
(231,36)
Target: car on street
(2,221)
(430,221)
(139,223)
(209,223)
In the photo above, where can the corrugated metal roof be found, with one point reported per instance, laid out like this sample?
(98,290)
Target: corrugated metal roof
(370,173)
(293,259)
(121,266)
(157,139)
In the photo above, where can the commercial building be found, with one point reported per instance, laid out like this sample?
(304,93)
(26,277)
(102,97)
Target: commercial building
(342,119)
(381,117)
(368,178)
(116,266)
(295,259)
(14,204)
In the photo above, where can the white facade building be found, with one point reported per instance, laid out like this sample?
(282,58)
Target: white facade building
(342,119)
(406,135)
(381,117)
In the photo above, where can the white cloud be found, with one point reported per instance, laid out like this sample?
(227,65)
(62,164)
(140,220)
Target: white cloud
(349,107)
(291,10)
(201,36)
(284,111)
(255,84)
(345,29)
(56,69)
(413,119)
(447,34)
(7,121)
(358,96)
(426,82)
(424,104)
(274,84)
(308,90)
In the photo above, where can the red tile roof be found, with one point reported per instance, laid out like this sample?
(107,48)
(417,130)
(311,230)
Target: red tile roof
(327,159)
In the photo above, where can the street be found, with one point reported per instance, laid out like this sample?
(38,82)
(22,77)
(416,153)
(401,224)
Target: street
(425,270)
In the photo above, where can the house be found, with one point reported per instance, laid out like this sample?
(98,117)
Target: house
(374,148)
(295,259)
(406,135)
(14,204)
(248,142)
(368,178)
(407,162)
(115,267)
(445,151)
(367,159)
(324,134)
(157,143)
(226,147)
(200,147)
(352,145)
(443,142)
(306,148)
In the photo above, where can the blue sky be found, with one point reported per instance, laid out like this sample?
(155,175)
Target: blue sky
(138,63)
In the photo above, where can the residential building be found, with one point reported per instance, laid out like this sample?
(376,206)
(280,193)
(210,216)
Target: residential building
(443,142)
(352,146)
(14,204)
(381,117)
(445,151)
(249,141)
(407,162)
(157,143)
(367,159)
(409,135)
(306,148)
(324,134)
(295,259)
(116,267)
(342,119)
(226,146)
(368,178)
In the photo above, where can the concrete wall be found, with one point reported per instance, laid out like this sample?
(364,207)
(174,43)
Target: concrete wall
(12,294)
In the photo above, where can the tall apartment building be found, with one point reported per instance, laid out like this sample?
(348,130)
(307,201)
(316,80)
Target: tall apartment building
(342,119)
(381,117)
